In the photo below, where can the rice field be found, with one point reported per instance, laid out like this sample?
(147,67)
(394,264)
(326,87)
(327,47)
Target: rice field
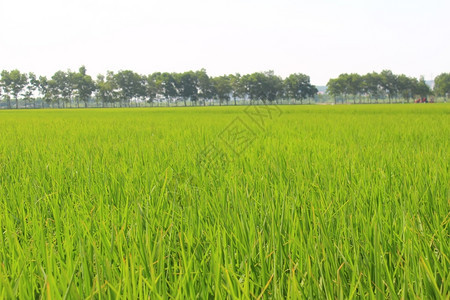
(316,202)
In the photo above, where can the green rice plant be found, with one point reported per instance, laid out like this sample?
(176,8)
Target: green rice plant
(216,202)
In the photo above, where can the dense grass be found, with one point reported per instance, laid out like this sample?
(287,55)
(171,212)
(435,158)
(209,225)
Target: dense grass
(314,202)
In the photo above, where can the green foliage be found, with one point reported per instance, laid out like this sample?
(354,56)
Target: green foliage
(62,87)
(107,89)
(262,86)
(298,87)
(206,89)
(325,202)
(12,84)
(84,85)
(30,88)
(375,86)
(335,87)
(44,88)
(187,86)
(442,84)
(389,83)
(406,86)
(237,86)
(127,87)
(222,87)
(151,87)
(130,85)
(422,89)
(167,86)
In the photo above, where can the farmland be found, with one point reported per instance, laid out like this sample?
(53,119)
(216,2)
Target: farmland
(240,202)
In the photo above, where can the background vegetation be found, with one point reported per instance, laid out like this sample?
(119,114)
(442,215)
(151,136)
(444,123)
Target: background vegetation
(127,88)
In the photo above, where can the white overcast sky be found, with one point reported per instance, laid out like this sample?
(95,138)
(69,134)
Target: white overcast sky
(320,38)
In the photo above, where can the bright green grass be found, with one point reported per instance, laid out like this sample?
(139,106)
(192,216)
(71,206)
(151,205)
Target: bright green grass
(324,202)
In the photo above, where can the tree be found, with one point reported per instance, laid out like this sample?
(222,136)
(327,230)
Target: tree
(187,85)
(350,85)
(406,86)
(342,86)
(298,87)
(238,89)
(13,83)
(422,88)
(84,86)
(335,88)
(107,89)
(388,82)
(151,87)
(18,82)
(5,82)
(272,87)
(222,88)
(205,86)
(43,89)
(247,82)
(166,86)
(62,87)
(262,86)
(30,89)
(354,86)
(54,93)
(130,85)
(372,85)
(442,85)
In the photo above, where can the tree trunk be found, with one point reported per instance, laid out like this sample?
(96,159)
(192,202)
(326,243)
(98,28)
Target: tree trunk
(17,103)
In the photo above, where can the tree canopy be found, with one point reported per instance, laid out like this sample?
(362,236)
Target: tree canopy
(385,86)
(127,88)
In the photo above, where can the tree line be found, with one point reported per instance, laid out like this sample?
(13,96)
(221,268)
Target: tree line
(127,88)
(385,86)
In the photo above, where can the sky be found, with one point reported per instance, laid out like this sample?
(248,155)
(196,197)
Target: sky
(321,38)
